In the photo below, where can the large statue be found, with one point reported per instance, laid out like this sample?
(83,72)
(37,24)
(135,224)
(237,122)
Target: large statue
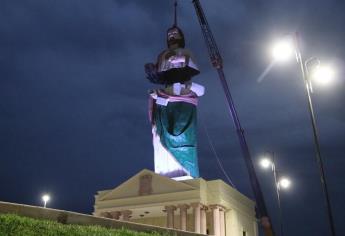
(172,109)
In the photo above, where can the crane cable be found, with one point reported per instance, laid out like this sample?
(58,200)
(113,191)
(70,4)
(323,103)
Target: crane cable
(211,144)
(175,13)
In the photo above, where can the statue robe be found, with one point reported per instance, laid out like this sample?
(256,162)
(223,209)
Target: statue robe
(173,119)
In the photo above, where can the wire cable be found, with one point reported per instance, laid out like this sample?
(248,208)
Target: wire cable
(216,155)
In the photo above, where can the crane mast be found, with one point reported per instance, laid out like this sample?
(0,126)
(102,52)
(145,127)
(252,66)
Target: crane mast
(217,62)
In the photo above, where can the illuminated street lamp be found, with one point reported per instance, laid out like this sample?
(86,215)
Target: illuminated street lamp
(323,75)
(284,183)
(45,199)
(283,50)
(280,182)
(265,163)
(311,70)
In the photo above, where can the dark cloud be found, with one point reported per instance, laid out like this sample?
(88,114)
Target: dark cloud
(73,98)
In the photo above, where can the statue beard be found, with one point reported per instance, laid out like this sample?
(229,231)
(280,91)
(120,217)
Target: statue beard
(179,42)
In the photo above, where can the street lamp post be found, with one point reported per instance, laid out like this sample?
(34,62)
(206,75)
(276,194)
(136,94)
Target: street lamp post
(280,182)
(306,76)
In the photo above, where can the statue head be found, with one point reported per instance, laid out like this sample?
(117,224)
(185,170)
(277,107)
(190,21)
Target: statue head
(175,38)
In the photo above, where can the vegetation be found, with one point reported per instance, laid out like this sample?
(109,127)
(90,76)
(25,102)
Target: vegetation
(14,225)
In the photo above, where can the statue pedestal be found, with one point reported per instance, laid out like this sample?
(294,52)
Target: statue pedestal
(194,205)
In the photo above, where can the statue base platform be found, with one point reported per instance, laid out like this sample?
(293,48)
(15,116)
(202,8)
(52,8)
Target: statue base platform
(197,205)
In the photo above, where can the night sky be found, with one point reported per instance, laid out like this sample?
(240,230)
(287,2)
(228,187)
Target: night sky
(73,99)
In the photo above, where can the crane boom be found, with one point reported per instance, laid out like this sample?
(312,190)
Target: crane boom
(217,62)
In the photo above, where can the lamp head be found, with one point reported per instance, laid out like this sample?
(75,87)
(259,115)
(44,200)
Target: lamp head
(322,74)
(283,50)
(45,197)
(265,163)
(284,182)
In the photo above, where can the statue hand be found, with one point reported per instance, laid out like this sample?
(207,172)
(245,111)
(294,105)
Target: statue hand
(152,74)
(150,68)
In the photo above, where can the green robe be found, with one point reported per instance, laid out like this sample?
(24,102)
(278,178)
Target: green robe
(176,126)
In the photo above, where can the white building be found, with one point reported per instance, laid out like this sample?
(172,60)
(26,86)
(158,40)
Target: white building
(207,207)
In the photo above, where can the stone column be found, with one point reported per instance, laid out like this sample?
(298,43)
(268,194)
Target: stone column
(197,219)
(203,226)
(170,216)
(183,216)
(126,214)
(215,220)
(222,221)
(115,215)
(106,215)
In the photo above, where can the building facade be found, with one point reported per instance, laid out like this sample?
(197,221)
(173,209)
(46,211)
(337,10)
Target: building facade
(206,207)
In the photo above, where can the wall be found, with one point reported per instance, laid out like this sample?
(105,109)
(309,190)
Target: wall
(161,221)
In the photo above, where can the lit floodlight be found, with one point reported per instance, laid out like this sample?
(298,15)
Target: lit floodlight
(284,183)
(45,199)
(322,75)
(283,50)
(265,163)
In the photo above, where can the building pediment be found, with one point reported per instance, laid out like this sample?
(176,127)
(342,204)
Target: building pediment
(146,183)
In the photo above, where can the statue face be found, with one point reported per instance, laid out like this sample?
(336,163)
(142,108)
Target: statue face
(174,34)
(175,38)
